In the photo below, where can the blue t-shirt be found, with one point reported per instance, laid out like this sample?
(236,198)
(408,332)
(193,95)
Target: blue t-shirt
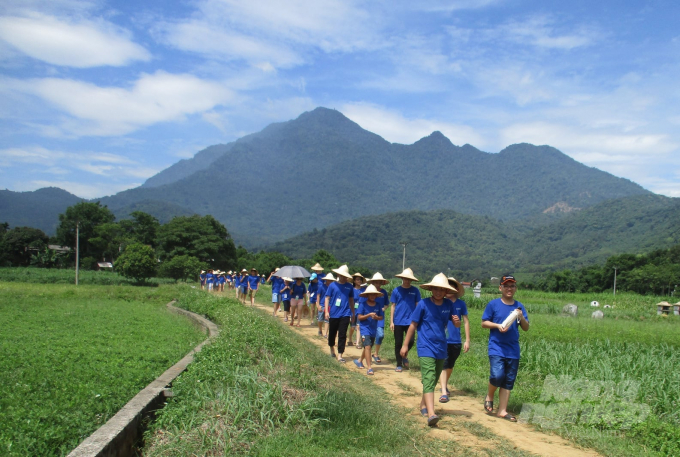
(220,279)
(277,284)
(262,280)
(369,326)
(202,278)
(504,344)
(453,332)
(404,304)
(383,302)
(431,321)
(312,288)
(237,281)
(210,278)
(339,295)
(253,281)
(357,296)
(320,294)
(244,281)
(230,278)
(285,292)
(299,290)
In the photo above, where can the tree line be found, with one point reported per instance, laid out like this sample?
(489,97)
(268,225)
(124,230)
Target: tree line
(655,273)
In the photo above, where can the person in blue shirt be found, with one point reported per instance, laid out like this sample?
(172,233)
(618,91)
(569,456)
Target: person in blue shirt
(277,284)
(453,339)
(297,300)
(430,319)
(339,308)
(243,289)
(312,288)
(253,284)
(404,299)
(503,345)
(220,281)
(285,292)
(262,279)
(210,280)
(369,314)
(384,301)
(237,284)
(321,320)
(357,281)
(202,277)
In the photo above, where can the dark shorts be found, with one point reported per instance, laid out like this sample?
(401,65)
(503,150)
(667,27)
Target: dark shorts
(286,305)
(244,289)
(452,353)
(367,340)
(503,371)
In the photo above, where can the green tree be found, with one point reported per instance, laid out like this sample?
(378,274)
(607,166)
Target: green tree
(89,216)
(143,228)
(108,239)
(19,242)
(202,237)
(138,261)
(182,267)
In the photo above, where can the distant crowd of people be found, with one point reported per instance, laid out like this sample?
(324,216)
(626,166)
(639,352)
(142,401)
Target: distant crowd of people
(350,309)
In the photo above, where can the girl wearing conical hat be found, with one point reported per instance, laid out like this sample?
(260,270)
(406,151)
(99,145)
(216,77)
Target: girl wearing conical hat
(430,319)
(357,281)
(404,299)
(384,301)
(369,314)
(454,342)
(321,320)
(339,308)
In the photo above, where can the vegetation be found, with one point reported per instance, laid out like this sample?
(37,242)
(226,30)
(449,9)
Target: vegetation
(138,262)
(39,209)
(67,276)
(17,244)
(72,357)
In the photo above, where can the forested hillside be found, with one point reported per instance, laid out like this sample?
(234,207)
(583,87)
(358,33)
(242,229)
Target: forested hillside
(38,209)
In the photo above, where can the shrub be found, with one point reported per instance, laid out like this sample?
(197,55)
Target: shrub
(138,262)
(182,267)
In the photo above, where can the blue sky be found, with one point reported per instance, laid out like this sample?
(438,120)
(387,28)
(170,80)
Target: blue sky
(97,96)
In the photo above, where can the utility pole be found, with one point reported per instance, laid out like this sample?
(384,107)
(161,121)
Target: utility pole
(77,248)
(403,261)
(615,268)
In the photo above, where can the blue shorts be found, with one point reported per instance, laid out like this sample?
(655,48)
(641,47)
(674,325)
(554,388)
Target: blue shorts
(321,316)
(367,340)
(244,289)
(503,371)
(380,334)
(275,297)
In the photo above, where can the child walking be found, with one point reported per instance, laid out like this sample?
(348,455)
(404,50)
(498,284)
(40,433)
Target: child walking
(384,302)
(286,291)
(321,320)
(339,308)
(453,340)
(404,299)
(368,316)
(430,319)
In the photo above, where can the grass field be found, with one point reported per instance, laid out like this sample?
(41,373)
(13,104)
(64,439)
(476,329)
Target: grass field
(72,357)
(68,276)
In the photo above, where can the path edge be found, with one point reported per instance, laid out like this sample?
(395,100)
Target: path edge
(118,436)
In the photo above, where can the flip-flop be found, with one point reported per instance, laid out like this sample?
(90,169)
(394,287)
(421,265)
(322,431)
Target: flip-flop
(377,359)
(341,360)
(405,363)
(488,406)
(398,369)
(448,392)
(432,420)
(444,399)
(350,344)
(509,417)
(369,372)
(423,412)
(358,363)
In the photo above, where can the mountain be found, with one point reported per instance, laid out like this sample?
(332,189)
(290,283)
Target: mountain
(163,211)
(470,246)
(321,169)
(38,209)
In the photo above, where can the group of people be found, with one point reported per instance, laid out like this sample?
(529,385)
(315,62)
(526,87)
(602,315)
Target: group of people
(352,303)
(244,283)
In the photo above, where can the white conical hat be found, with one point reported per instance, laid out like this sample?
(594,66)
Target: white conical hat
(343,270)
(378,278)
(317,267)
(407,274)
(439,280)
(453,282)
(328,277)
(370,290)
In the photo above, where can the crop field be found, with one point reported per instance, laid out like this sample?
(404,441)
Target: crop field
(68,275)
(72,357)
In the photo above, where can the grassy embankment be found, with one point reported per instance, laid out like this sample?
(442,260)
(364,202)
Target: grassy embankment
(72,357)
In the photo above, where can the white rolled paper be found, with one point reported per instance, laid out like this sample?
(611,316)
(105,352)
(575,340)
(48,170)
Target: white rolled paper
(508,320)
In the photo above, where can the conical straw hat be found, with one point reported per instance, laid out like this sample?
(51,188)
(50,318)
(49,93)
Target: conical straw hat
(378,279)
(317,267)
(370,290)
(439,280)
(407,274)
(343,271)
(358,275)
(453,282)
(328,277)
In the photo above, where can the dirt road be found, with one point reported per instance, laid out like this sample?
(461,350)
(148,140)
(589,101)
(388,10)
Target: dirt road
(406,389)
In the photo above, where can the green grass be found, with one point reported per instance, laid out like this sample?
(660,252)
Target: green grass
(68,276)
(261,389)
(72,357)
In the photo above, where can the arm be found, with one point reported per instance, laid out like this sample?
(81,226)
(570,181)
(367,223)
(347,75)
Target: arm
(466,322)
(523,322)
(409,335)
(394,307)
(351,304)
(327,307)
(456,320)
(491,325)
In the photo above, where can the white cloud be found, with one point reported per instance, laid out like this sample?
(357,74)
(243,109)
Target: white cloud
(394,127)
(542,32)
(159,97)
(82,44)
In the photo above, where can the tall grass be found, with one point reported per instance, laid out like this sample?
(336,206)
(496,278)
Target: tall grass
(68,275)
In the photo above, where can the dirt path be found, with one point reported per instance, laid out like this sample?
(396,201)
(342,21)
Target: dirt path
(406,390)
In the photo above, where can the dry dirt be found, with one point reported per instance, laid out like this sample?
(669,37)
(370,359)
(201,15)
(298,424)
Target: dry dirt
(406,390)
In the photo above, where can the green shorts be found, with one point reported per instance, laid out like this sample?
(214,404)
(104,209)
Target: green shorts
(430,370)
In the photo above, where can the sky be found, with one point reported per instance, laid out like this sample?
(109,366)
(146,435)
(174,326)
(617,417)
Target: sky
(97,96)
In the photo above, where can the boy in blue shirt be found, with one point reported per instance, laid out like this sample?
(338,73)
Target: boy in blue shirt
(431,318)
(339,307)
(503,345)
(368,316)
(277,284)
(320,300)
(311,297)
(404,299)
(210,280)
(384,302)
(202,278)
(453,340)
(243,290)
(285,292)
(253,284)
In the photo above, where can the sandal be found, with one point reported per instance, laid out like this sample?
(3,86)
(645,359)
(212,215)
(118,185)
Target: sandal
(341,360)
(369,372)
(358,363)
(424,412)
(398,369)
(350,344)
(488,406)
(509,417)
(405,362)
(377,359)
(432,421)
(444,399)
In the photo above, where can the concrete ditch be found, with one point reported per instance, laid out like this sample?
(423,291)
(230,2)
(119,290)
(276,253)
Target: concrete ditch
(118,436)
